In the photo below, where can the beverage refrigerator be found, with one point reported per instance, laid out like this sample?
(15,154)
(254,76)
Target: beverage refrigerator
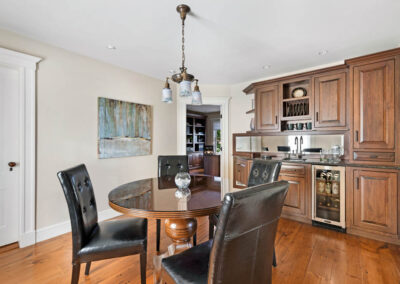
(329,196)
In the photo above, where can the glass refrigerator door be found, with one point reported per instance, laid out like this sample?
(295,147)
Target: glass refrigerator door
(329,195)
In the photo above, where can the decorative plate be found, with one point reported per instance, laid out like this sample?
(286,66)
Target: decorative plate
(299,92)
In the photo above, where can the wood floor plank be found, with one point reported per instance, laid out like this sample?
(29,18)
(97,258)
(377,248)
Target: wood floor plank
(305,254)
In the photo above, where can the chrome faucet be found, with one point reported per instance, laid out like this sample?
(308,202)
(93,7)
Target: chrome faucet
(301,143)
(296,142)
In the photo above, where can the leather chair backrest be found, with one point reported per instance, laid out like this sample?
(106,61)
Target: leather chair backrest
(78,191)
(171,165)
(264,171)
(243,244)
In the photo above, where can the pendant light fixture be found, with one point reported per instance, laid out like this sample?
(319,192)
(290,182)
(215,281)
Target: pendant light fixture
(166,93)
(196,95)
(183,78)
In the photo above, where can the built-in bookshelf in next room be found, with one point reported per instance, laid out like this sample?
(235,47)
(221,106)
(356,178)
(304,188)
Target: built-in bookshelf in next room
(195,132)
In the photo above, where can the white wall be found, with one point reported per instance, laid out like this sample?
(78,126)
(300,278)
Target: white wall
(68,86)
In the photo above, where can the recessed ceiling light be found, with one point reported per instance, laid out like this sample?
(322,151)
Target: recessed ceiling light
(322,52)
(110,46)
(266,66)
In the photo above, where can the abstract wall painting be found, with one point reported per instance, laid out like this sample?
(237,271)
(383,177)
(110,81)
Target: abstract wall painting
(125,129)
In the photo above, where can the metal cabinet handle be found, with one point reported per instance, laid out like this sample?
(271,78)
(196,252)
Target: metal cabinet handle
(316,116)
(373,156)
(356,136)
(276,119)
(357,183)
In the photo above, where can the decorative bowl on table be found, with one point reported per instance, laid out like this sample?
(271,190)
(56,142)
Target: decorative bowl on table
(182,181)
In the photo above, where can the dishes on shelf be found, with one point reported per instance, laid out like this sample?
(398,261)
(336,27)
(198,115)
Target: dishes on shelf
(297,108)
(299,92)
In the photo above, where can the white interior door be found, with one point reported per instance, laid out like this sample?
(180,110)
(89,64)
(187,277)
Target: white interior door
(9,152)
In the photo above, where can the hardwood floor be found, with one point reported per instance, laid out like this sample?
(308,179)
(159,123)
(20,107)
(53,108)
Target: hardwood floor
(305,254)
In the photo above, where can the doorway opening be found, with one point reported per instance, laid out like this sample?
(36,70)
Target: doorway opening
(205,148)
(203,139)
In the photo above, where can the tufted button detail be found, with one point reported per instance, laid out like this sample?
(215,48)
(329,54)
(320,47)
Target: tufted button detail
(80,187)
(84,209)
(91,202)
(168,166)
(87,182)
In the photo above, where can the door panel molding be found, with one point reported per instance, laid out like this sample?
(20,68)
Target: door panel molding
(26,66)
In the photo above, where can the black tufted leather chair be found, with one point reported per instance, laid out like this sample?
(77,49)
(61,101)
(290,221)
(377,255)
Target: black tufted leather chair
(264,171)
(170,166)
(91,240)
(242,249)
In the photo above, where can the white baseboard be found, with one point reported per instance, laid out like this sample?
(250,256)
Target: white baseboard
(27,239)
(65,227)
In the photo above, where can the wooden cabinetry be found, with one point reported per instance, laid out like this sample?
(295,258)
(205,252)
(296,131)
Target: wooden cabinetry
(241,171)
(267,108)
(195,160)
(212,165)
(297,199)
(330,100)
(372,203)
(373,86)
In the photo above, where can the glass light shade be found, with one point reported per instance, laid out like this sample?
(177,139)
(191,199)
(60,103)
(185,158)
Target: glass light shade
(196,98)
(185,88)
(166,95)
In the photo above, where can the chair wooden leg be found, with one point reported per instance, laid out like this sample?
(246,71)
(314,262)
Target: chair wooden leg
(76,268)
(143,265)
(274,259)
(194,239)
(158,234)
(210,227)
(87,269)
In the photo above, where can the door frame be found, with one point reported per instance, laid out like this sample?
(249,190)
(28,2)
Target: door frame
(26,66)
(223,102)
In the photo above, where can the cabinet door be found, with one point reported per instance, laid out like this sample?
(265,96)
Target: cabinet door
(295,198)
(375,200)
(330,100)
(241,169)
(267,109)
(374,105)
(190,160)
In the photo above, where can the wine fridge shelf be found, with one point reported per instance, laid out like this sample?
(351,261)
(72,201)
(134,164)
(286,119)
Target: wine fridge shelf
(328,208)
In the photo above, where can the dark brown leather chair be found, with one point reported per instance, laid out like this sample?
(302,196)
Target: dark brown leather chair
(170,166)
(242,249)
(91,240)
(262,171)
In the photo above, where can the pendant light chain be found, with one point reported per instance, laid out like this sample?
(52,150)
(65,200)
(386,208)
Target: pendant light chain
(183,43)
(183,78)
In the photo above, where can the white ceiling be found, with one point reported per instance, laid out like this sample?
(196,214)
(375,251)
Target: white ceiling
(228,41)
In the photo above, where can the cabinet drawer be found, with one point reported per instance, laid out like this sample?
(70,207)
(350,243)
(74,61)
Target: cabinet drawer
(295,170)
(374,156)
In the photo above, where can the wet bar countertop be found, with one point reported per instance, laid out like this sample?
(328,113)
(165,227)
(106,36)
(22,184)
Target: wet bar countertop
(340,164)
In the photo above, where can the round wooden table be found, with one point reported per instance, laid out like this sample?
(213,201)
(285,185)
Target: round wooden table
(155,198)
